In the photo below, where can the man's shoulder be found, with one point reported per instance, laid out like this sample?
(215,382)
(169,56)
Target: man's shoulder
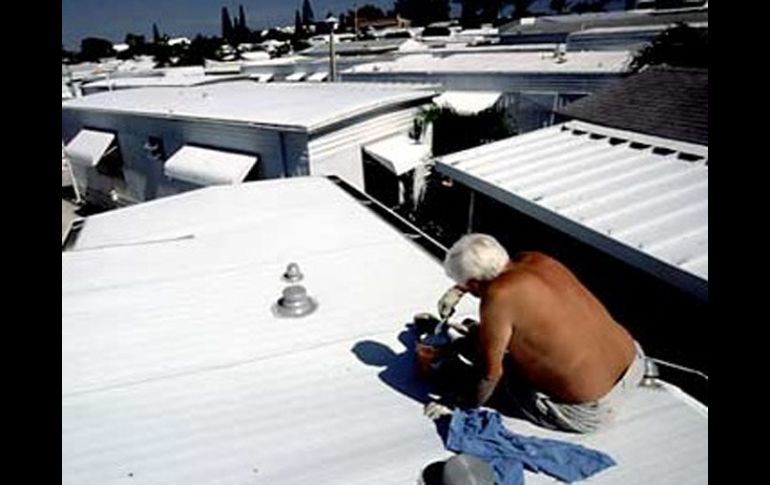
(516,281)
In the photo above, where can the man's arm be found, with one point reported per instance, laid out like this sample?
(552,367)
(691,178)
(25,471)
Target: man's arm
(494,336)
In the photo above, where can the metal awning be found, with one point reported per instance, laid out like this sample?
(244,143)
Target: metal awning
(262,78)
(399,153)
(467,102)
(296,77)
(204,166)
(88,147)
(318,76)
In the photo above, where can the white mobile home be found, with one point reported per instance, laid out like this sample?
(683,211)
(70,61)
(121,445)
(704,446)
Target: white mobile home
(175,368)
(531,84)
(139,144)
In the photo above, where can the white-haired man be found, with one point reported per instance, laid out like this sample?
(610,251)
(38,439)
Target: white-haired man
(572,362)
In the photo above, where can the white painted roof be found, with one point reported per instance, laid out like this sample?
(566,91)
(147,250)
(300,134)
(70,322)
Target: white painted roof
(399,153)
(164,81)
(88,146)
(204,166)
(174,369)
(504,62)
(293,105)
(644,207)
(468,102)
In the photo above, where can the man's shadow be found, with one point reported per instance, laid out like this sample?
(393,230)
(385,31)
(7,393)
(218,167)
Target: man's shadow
(399,369)
(399,374)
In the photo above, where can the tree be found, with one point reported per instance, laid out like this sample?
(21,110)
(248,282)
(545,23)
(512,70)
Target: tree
(92,49)
(469,13)
(558,6)
(299,31)
(155,34)
(200,49)
(241,18)
(521,8)
(308,17)
(227,25)
(681,46)
(370,12)
(422,12)
(66,55)
(241,32)
(587,6)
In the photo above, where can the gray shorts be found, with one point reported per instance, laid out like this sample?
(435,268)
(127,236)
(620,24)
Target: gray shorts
(581,418)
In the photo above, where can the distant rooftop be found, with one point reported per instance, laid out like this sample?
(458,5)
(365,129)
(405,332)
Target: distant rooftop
(299,106)
(565,24)
(365,47)
(661,101)
(507,62)
(164,81)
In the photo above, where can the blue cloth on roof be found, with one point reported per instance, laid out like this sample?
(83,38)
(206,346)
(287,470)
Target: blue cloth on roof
(480,432)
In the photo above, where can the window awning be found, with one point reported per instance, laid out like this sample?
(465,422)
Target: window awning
(204,166)
(88,147)
(262,78)
(296,77)
(467,102)
(318,77)
(399,153)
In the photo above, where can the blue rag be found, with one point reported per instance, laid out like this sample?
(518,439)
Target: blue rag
(480,432)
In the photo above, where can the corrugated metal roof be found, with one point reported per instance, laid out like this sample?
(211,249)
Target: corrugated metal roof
(645,207)
(292,105)
(504,62)
(174,369)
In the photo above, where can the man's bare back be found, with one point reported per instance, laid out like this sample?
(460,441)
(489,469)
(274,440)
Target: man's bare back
(560,336)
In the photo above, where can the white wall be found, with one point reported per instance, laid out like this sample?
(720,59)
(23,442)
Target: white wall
(339,152)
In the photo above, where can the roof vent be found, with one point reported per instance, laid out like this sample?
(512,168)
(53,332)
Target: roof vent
(650,374)
(294,303)
(292,273)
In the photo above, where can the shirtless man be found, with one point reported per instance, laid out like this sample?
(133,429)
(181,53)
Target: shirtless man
(575,359)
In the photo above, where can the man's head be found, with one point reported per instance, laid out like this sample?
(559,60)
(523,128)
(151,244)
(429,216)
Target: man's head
(475,260)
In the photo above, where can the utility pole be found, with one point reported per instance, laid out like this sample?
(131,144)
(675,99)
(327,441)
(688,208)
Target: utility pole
(355,20)
(332,68)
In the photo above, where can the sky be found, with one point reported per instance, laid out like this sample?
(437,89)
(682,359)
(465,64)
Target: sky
(113,19)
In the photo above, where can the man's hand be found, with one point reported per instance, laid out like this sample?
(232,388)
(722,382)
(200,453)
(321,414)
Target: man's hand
(448,302)
(434,410)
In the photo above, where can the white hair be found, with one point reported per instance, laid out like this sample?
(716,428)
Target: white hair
(475,256)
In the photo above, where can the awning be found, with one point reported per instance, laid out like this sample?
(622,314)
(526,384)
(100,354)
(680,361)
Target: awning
(204,166)
(88,147)
(296,77)
(318,77)
(262,78)
(467,102)
(399,153)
